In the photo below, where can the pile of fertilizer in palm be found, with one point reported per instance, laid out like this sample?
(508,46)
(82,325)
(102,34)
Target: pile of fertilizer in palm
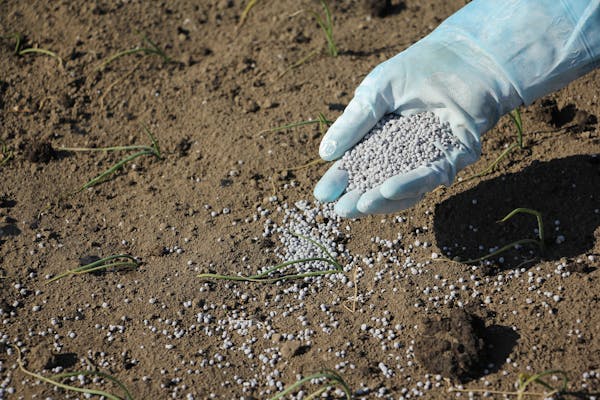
(396,145)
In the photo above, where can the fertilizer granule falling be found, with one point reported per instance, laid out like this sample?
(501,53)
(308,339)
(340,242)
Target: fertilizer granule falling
(395,145)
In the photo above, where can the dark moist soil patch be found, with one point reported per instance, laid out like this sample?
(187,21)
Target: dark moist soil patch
(40,152)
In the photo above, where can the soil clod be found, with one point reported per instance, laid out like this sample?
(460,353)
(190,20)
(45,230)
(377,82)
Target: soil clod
(452,346)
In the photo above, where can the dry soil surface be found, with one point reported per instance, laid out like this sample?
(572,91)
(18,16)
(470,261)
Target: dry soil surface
(404,322)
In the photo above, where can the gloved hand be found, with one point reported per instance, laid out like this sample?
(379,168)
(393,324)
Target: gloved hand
(483,61)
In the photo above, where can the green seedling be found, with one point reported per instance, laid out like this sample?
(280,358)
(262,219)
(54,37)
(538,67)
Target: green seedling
(321,120)
(151,49)
(525,380)
(540,242)
(515,116)
(152,150)
(114,261)
(20,51)
(522,385)
(298,63)
(331,378)
(327,27)
(325,24)
(55,380)
(5,153)
(266,276)
(309,164)
(249,5)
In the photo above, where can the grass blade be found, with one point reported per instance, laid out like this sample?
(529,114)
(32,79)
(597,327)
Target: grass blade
(331,376)
(105,149)
(328,29)
(153,150)
(494,163)
(320,246)
(111,378)
(31,50)
(152,50)
(154,141)
(104,175)
(5,152)
(99,265)
(502,250)
(298,63)
(540,242)
(54,381)
(515,116)
(321,120)
(245,13)
(263,276)
(538,216)
(525,380)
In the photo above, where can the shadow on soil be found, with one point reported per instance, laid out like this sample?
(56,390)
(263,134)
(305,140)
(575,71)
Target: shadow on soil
(564,190)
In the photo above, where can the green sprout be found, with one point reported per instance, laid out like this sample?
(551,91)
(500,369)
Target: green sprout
(515,116)
(20,51)
(309,164)
(326,25)
(523,383)
(122,261)
(267,277)
(249,5)
(330,377)
(321,120)
(144,150)
(540,242)
(151,49)
(5,153)
(55,380)
(525,380)
(298,63)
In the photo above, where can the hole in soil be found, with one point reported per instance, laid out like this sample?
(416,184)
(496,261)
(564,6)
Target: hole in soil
(569,117)
(382,8)
(565,191)
(64,360)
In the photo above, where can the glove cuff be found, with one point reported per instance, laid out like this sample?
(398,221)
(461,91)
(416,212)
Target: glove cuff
(540,45)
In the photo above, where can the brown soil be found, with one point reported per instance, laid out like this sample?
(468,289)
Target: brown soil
(167,334)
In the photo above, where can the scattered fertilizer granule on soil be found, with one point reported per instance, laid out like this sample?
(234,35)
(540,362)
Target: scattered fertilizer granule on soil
(394,146)
(315,221)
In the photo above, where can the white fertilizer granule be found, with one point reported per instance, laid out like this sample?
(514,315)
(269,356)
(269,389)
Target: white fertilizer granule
(315,221)
(394,146)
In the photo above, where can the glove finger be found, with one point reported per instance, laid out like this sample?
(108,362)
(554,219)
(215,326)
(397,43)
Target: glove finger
(426,178)
(371,101)
(414,183)
(373,202)
(346,205)
(358,118)
(332,184)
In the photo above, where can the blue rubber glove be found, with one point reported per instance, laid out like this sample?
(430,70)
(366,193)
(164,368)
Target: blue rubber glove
(483,61)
